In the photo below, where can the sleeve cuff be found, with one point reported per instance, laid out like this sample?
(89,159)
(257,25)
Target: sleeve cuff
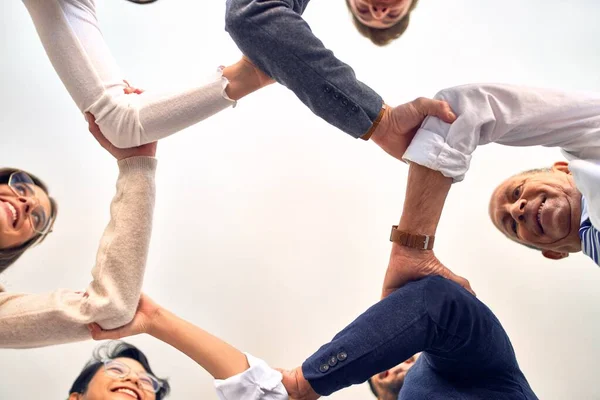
(258,382)
(431,150)
(137,164)
(224,84)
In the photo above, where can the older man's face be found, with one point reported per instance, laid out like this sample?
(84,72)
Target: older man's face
(541,209)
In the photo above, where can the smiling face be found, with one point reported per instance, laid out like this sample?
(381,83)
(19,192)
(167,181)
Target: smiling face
(540,209)
(105,387)
(380,14)
(17,214)
(388,383)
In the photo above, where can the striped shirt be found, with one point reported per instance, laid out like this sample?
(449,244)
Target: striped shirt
(590,236)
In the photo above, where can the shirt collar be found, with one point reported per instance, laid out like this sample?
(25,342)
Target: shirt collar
(584,211)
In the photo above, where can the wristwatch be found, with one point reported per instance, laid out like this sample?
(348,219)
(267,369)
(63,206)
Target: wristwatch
(416,241)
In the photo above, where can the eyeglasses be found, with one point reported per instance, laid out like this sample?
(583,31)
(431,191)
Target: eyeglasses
(23,186)
(119,370)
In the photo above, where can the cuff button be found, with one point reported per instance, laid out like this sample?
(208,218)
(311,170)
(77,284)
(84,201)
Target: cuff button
(324,368)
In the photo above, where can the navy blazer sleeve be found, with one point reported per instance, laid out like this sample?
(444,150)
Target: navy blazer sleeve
(274,36)
(433,315)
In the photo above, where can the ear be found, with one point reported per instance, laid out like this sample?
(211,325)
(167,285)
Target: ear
(561,166)
(554,255)
(75,396)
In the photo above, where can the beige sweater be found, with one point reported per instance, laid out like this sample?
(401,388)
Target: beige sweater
(35,320)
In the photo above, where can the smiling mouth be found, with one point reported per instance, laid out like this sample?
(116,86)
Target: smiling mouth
(539,215)
(129,392)
(14,213)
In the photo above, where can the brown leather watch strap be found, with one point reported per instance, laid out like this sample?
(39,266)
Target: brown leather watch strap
(423,242)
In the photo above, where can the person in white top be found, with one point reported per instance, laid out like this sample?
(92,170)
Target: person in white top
(60,316)
(555,210)
(237,375)
(71,35)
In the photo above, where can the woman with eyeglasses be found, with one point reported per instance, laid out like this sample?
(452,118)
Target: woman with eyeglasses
(118,367)
(70,33)
(27,214)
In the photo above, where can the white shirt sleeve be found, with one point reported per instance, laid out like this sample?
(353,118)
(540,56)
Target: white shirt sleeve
(71,36)
(509,115)
(259,382)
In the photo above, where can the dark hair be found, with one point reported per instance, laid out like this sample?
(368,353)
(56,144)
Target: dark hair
(382,37)
(112,350)
(372,387)
(9,256)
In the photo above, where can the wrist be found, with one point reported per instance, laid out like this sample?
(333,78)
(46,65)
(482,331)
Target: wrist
(157,322)
(400,250)
(379,129)
(243,79)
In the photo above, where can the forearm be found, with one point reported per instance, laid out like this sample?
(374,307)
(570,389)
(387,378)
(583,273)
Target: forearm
(426,193)
(217,357)
(71,35)
(113,295)
(276,38)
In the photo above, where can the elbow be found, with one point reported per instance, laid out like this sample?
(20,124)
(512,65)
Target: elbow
(116,314)
(236,17)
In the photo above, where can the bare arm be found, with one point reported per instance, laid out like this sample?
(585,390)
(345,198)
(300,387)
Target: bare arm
(237,375)
(219,358)
(425,197)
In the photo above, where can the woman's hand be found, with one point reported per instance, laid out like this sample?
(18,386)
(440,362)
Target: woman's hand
(147,150)
(146,313)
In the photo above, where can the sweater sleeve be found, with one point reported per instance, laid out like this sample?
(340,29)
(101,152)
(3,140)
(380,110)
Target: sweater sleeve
(71,35)
(36,320)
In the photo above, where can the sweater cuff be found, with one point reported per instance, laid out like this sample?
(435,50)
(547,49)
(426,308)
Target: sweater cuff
(137,164)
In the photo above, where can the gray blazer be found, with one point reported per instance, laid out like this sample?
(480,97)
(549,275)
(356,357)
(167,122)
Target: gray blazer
(274,36)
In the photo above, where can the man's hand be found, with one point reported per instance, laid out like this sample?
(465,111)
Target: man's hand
(146,312)
(297,387)
(408,264)
(399,125)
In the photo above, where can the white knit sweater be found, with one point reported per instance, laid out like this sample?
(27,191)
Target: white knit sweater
(34,320)
(72,38)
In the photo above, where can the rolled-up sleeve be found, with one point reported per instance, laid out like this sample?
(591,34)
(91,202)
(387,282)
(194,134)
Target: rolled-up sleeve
(259,382)
(509,115)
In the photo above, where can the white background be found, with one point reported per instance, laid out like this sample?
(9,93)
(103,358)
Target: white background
(271,227)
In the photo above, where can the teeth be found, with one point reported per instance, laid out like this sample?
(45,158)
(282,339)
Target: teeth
(539,213)
(13,210)
(128,392)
